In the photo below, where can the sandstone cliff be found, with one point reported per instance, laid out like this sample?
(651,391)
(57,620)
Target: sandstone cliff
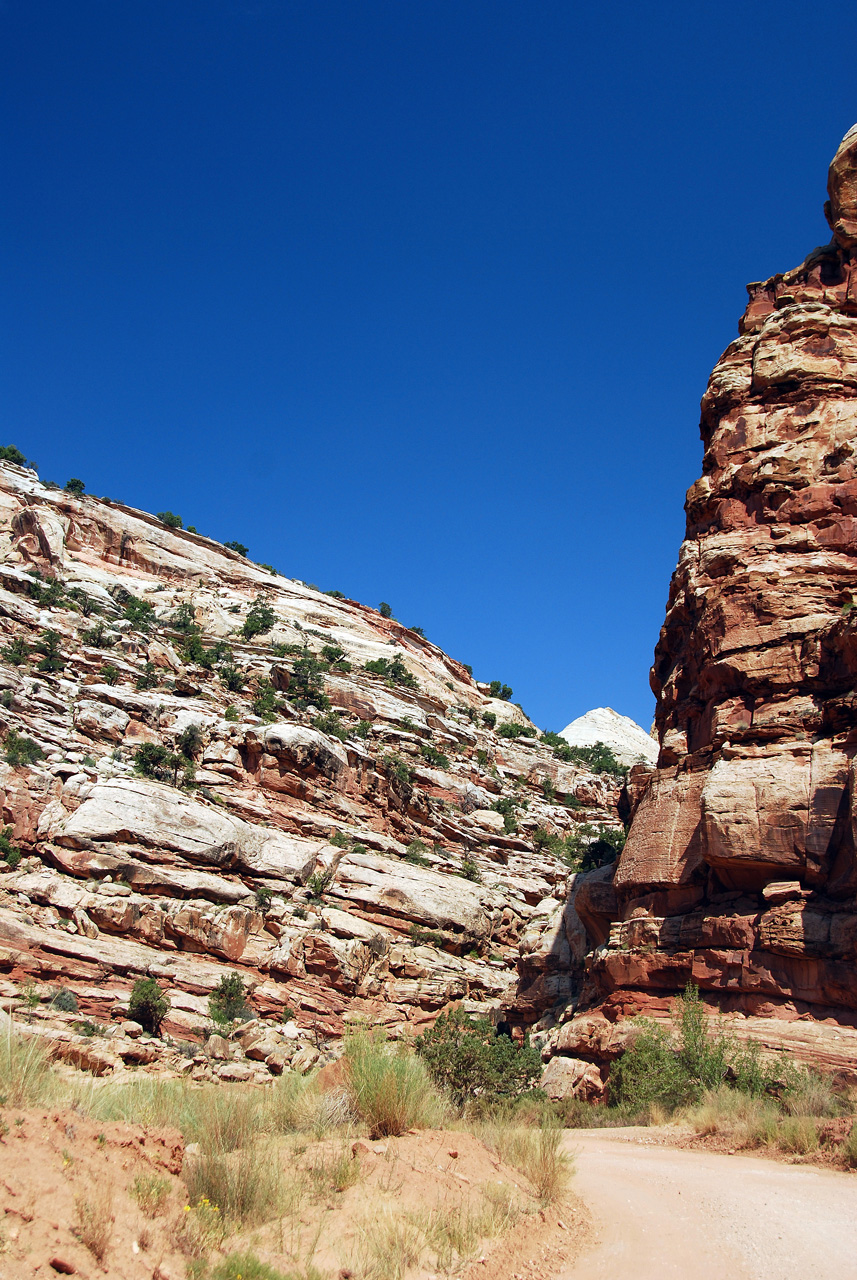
(740,869)
(327,831)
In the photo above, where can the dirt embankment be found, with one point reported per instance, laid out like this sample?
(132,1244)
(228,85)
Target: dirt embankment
(86,1198)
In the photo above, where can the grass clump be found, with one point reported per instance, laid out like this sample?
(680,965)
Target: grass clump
(390,1088)
(93,1219)
(151,1193)
(26,1078)
(242,1185)
(245,1266)
(535,1150)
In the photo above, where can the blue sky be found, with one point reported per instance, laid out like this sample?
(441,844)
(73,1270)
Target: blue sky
(416,298)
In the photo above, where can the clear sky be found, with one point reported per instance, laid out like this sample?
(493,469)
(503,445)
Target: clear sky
(416,298)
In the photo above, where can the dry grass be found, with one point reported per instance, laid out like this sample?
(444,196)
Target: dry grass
(295,1104)
(93,1218)
(26,1076)
(332,1169)
(245,1185)
(537,1152)
(200,1229)
(759,1122)
(388,1245)
(391,1089)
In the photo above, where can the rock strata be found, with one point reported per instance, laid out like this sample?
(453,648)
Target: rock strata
(339,813)
(740,868)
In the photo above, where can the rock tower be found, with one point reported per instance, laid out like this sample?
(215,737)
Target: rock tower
(740,868)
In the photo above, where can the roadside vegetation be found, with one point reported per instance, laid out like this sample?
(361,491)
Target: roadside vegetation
(266,1166)
(695,1073)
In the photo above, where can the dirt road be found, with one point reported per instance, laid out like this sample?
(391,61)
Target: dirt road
(667,1214)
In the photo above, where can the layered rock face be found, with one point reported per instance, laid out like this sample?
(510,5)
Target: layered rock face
(740,868)
(326,830)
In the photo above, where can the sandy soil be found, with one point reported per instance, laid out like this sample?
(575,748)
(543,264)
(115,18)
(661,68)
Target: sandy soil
(56,1165)
(59,1171)
(661,1213)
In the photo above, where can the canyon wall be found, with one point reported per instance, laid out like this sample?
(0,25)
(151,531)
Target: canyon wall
(740,869)
(346,822)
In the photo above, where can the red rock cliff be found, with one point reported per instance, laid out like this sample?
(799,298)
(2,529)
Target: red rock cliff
(740,869)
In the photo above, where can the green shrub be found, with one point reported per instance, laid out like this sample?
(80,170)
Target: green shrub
(48,644)
(416,854)
(95,636)
(306,684)
(148,677)
(362,729)
(398,770)
(170,519)
(260,618)
(237,547)
(64,1000)
(498,690)
(385,609)
(336,595)
(154,761)
(669,1067)
(506,806)
(433,757)
(334,655)
(109,673)
(140,613)
(489,719)
(8,453)
(468,1060)
(184,619)
(228,1001)
(331,724)
(421,937)
(48,593)
(75,486)
(189,742)
(318,884)
(8,852)
(21,750)
(246,1266)
(265,702)
(232,677)
(393,670)
(599,758)
(510,729)
(16,651)
(470,870)
(148,1005)
(263,899)
(591,846)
